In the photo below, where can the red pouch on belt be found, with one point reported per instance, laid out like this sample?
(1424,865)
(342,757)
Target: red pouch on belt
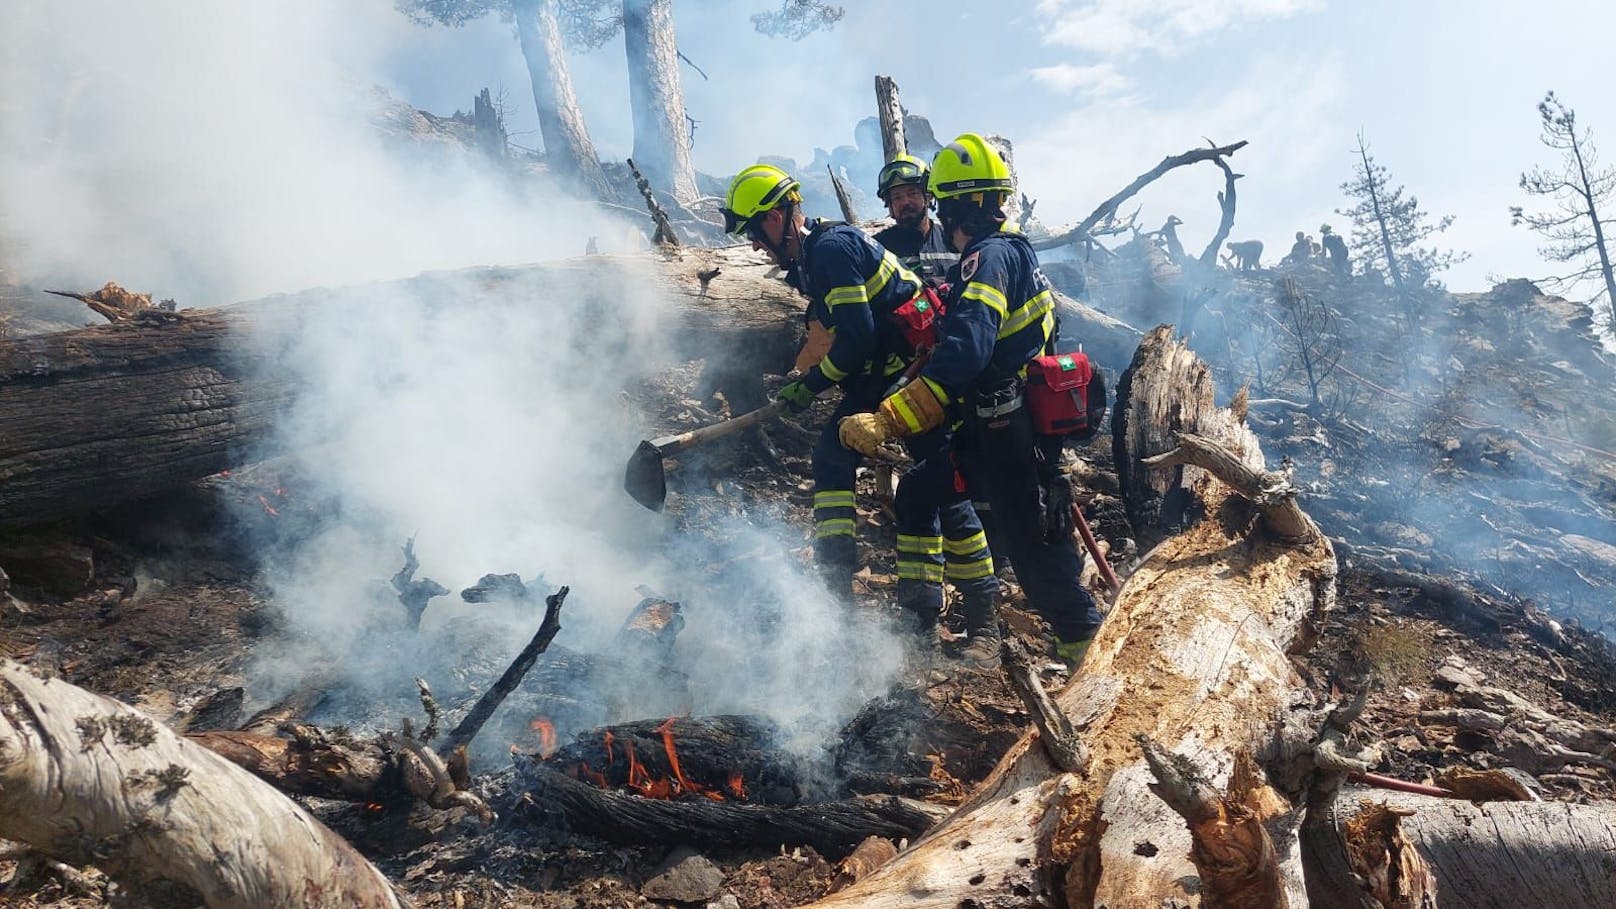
(1065,396)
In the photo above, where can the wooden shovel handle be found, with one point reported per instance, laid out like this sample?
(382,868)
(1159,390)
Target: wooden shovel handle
(670,444)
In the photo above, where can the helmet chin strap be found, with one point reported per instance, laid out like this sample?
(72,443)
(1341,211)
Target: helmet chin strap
(788,230)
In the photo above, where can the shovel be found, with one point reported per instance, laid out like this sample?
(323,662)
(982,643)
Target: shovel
(646,479)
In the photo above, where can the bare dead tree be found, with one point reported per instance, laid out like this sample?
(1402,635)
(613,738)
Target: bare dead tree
(1109,207)
(567,146)
(890,111)
(1580,188)
(1310,329)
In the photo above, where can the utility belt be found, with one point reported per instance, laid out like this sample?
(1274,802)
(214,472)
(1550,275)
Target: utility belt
(1019,464)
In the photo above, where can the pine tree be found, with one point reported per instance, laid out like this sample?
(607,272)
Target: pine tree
(1389,228)
(1579,187)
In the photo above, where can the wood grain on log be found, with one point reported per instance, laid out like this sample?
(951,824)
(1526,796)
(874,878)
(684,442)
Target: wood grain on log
(1193,655)
(91,781)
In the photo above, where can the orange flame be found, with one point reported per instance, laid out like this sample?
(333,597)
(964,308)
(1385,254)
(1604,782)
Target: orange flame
(547,736)
(607,740)
(737,786)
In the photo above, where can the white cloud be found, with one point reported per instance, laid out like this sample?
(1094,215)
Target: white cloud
(1097,79)
(1120,27)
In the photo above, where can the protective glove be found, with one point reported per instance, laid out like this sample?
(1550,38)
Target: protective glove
(796,395)
(864,432)
(912,410)
(1057,496)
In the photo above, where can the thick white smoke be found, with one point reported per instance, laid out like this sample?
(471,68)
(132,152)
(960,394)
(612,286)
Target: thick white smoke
(212,152)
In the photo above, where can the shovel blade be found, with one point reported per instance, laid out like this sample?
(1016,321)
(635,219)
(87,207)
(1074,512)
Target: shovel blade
(644,479)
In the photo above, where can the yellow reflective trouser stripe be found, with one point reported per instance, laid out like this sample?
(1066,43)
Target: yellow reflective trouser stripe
(920,571)
(970,544)
(835,527)
(970,571)
(988,296)
(1030,311)
(834,498)
(926,545)
(831,370)
(894,365)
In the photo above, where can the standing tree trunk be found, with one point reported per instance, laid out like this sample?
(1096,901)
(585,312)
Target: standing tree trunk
(1380,218)
(566,140)
(893,141)
(661,133)
(1589,197)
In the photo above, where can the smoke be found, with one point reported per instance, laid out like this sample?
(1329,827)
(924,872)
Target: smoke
(212,152)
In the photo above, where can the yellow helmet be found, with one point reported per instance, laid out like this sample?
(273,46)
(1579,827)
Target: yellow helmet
(968,165)
(900,171)
(755,190)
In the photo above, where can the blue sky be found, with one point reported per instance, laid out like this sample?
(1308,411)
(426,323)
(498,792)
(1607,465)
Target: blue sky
(1093,92)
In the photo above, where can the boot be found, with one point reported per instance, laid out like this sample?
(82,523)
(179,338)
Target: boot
(982,624)
(1071,652)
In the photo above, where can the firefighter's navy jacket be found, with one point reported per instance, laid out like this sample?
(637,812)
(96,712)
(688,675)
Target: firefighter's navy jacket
(853,285)
(925,254)
(1001,313)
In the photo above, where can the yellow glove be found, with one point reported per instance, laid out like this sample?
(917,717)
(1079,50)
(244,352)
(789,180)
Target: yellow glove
(864,432)
(914,409)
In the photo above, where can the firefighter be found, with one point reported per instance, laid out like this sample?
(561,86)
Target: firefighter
(1001,315)
(914,237)
(858,290)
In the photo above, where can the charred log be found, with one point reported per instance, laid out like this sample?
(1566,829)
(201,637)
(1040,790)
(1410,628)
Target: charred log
(110,414)
(722,758)
(833,828)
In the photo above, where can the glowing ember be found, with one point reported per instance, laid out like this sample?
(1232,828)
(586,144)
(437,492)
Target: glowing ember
(547,736)
(737,786)
(268,508)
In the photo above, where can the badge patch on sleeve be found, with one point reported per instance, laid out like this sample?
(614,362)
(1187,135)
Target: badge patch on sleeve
(968,265)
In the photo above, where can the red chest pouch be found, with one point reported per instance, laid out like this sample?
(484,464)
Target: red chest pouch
(918,319)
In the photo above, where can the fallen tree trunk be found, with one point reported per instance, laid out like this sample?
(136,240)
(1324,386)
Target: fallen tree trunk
(91,781)
(833,828)
(1193,657)
(115,413)
(1461,854)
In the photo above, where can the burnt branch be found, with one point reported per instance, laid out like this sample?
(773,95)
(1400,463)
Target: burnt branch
(1054,727)
(1270,491)
(493,697)
(842,198)
(1109,207)
(414,595)
(664,235)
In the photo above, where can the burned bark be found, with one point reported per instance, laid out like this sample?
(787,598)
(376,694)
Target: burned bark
(833,828)
(100,416)
(1193,656)
(890,112)
(91,781)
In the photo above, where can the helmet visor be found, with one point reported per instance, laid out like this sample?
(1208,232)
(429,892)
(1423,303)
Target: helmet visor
(898,173)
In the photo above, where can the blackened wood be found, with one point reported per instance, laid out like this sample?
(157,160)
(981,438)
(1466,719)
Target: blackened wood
(468,728)
(834,828)
(713,752)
